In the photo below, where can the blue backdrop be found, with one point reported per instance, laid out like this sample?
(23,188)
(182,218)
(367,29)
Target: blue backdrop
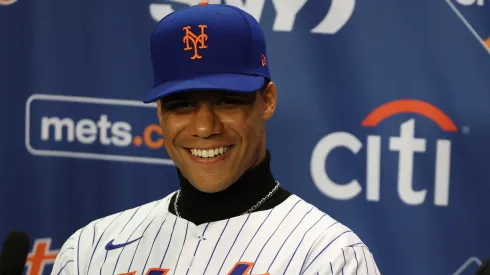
(383,120)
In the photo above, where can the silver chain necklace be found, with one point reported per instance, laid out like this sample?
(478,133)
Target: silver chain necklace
(257,205)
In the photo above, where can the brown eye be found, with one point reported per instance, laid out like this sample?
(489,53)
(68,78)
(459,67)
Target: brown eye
(231,101)
(178,105)
(244,99)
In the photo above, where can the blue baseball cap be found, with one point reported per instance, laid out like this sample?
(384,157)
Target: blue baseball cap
(208,47)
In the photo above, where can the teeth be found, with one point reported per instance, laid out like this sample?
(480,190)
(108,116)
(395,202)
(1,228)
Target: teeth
(209,153)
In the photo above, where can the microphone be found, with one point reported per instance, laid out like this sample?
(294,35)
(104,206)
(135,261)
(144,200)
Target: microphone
(484,268)
(14,253)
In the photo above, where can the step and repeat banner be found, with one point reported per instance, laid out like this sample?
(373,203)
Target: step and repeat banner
(383,120)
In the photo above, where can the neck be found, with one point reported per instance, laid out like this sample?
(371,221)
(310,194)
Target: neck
(199,207)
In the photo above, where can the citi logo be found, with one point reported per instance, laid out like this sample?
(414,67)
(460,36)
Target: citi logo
(469,267)
(94,128)
(336,17)
(407,146)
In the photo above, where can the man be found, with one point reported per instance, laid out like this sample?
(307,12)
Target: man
(214,93)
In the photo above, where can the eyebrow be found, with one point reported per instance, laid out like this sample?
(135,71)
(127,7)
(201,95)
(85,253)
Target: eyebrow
(186,96)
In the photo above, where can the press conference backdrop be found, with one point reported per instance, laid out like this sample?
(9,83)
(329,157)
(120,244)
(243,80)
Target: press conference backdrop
(383,120)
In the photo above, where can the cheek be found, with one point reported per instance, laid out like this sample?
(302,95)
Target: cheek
(171,127)
(252,129)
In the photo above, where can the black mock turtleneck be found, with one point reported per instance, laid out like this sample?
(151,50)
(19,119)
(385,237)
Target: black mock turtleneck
(199,207)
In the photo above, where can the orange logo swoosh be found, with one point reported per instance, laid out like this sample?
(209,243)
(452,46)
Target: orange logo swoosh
(410,106)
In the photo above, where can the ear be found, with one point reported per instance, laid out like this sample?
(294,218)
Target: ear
(269,96)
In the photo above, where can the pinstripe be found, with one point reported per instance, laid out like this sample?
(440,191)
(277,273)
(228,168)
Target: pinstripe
(294,253)
(183,244)
(357,262)
(326,248)
(314,243)
(273,234)
(95,224)
(122,250)
(212,253)
(374,265)
(256,233)
(288,238)
(224,260)
(139,241)
(61,254)
(154,239)
(309,250)
(100,238)
(93,238)
(106,252)
(197,247)
(168,245)
(365,260)
(344,261)
(132,216)
(70,261)
(78,252)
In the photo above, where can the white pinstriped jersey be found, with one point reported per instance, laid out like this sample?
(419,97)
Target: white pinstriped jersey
(292,238)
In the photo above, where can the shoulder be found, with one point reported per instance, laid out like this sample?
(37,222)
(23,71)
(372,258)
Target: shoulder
(330,245)
(112,225)
(83,242)
(326,228)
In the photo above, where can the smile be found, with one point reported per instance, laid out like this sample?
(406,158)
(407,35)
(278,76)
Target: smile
(209,153)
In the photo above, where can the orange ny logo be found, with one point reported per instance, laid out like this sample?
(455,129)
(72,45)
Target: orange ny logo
(196,40)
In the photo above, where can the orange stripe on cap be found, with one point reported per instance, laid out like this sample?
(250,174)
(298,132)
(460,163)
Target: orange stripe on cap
(203,3)
(410,106)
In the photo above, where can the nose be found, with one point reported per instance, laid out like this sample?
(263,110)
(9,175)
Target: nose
(205,122)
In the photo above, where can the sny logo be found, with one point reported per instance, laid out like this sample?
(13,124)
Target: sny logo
(196,40)
(471,2)
(336,16)
(406,145)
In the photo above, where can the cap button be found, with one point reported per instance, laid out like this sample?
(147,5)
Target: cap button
(203,3)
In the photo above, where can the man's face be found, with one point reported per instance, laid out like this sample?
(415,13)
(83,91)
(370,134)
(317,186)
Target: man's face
(213,137)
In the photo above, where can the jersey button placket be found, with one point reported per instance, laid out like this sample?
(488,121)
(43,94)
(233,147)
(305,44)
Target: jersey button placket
(200,232)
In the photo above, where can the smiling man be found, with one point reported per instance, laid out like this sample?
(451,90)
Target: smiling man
(214,94)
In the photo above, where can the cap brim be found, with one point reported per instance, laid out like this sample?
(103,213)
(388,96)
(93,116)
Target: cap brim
(227,82)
